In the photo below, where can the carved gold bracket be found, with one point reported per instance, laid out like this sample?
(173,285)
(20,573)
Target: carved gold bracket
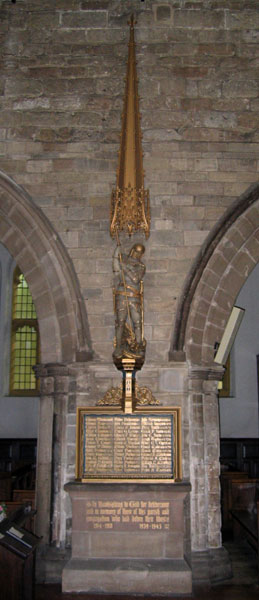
(142,397)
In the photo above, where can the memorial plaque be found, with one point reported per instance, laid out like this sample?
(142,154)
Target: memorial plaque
(113,445)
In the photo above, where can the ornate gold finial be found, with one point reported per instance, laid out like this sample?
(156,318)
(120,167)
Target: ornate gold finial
(130,201)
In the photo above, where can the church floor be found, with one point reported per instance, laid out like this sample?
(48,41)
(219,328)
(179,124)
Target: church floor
(244,584)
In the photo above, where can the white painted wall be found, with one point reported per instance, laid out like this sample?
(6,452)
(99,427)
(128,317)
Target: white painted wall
(239,413)
(19,415)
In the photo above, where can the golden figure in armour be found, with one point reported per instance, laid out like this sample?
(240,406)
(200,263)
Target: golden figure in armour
(129,271)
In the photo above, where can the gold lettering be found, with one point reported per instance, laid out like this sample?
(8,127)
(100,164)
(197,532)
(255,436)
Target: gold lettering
(96,519)
(105,514)
(121,445)
(102,504)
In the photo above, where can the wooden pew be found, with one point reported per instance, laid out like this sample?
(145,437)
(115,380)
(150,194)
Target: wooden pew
(244,511)
(25,508)
(24,496)
(5,486)
(226,497)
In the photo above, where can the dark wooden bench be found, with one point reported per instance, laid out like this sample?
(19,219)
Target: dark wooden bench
(226,479)
(21,511)
(5,486)
(246,525)
(245,511)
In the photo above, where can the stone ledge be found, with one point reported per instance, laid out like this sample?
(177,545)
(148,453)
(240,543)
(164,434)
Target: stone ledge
(50,562)
(80,487)
(163,577)
(210,566)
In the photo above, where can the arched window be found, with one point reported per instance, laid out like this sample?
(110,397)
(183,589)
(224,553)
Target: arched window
(24,339)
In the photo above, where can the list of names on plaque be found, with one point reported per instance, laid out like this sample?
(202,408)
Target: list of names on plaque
(127,515)
(128,445)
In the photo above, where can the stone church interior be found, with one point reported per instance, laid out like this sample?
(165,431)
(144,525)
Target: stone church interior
(129,285)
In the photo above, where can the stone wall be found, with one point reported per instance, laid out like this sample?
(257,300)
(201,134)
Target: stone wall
(62,88)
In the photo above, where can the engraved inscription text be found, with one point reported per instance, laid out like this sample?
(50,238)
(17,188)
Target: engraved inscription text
(128,446)
(125,515)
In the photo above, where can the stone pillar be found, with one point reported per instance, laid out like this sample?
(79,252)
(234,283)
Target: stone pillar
(61,380)
(197,463)
(50,454)
(212,454)
(208,556)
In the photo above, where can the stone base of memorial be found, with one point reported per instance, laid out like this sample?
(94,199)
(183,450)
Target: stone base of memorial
(128,538)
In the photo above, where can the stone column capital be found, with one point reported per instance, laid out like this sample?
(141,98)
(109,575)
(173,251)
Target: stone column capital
(210,373)
(54,378)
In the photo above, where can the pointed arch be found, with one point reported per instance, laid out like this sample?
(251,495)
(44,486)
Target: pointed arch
(224,262)
(42,257)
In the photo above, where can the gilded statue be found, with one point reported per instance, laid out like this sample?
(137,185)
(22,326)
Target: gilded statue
(130,214)
(129,272)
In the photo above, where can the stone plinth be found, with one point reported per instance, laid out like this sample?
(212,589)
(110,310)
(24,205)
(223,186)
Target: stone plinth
(128,538)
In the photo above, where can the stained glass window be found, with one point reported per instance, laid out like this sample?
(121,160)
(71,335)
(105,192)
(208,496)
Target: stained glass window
(25,339)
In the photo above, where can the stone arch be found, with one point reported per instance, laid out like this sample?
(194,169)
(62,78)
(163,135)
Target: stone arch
(31,240)
(223,264)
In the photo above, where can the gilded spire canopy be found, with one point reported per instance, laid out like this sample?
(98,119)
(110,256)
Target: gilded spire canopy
(130,201)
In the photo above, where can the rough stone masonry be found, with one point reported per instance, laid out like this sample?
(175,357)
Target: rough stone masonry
(63,65)
(62,86)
